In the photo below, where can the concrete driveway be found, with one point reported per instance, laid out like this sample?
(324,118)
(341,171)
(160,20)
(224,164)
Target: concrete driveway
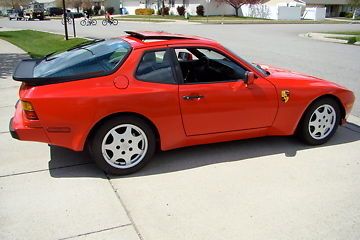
(266,188)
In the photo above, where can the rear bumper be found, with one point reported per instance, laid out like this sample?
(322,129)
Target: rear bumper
(12,131)
(19,130)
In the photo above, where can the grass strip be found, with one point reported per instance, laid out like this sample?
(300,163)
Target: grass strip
(38,44)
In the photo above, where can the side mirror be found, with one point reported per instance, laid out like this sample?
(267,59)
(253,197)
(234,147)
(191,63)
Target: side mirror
(249,78)
(184,56)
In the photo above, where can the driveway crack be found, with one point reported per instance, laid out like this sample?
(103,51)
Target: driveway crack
(126,210)
(102,230)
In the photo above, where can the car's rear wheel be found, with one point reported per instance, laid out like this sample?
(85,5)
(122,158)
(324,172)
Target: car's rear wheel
(123,145)
(320,121)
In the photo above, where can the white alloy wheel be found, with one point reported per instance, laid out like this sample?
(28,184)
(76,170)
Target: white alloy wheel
(124,146)
(322,121)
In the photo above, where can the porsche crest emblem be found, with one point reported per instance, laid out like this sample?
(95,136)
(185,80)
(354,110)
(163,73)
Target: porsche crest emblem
(285,95)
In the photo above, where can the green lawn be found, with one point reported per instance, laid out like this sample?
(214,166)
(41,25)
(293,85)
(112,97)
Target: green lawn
(345,33)
(351,39)
(38,44)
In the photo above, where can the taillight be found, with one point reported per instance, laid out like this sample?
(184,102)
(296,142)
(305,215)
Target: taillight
(29,110)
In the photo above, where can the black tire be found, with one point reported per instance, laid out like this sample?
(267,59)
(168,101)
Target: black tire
(82,22)
(102,133)
(305,127)
(93,22)
(104,22)
(115,22)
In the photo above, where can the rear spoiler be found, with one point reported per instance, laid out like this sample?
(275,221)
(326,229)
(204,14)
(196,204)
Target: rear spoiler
(24,72)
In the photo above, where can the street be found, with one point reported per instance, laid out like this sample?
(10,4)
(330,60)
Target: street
(264,188)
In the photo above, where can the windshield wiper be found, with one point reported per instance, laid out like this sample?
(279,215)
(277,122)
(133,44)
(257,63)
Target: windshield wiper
(48,55)
(81,45)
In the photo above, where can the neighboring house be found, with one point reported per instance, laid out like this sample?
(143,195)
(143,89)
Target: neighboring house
(333,7)
(275,9)
(47,3)
(211,7)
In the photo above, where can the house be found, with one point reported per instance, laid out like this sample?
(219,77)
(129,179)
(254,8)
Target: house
(334,8)
(211,7)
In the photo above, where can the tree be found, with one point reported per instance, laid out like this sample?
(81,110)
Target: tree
(238,3)
(356,5)
(74,4)
(14,3)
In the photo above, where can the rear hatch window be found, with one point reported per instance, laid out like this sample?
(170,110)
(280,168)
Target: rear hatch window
(98,58)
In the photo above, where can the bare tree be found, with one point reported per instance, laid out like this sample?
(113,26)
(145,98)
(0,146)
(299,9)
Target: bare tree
(236,4)
(14,3)
(356,5)
(74,4)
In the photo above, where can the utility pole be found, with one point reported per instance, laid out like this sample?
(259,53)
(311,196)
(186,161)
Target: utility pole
(65,22)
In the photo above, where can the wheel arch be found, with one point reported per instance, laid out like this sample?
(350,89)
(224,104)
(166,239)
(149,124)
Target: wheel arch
(332,96)
(119,114)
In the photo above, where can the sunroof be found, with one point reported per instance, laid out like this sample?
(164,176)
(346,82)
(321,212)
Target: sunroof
(156,35)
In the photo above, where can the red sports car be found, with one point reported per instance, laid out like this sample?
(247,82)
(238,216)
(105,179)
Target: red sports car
(123,98)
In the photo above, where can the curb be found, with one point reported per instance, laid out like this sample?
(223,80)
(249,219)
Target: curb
(328,37)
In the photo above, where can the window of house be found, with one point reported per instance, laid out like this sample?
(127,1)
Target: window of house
(155,66)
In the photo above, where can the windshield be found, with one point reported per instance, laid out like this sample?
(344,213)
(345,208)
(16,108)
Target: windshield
(258,67)
(99,57)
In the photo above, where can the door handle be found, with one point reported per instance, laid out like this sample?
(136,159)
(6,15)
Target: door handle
(193,97)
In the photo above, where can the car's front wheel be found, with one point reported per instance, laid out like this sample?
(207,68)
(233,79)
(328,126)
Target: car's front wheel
(123,145)
(320,121)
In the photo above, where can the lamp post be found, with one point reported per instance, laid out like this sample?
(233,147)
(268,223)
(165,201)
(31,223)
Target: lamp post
(207,10)
(65,22)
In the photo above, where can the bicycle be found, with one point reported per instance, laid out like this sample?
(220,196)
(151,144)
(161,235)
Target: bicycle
(88,22)
(68,20)
(110,21)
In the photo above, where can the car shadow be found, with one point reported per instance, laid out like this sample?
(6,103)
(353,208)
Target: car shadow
(203,155)
(8,63)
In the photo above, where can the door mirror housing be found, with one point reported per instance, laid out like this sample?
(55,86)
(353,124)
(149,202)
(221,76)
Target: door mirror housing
(249,78)
(184,56)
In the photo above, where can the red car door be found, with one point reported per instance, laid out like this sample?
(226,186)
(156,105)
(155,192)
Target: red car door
(213,106)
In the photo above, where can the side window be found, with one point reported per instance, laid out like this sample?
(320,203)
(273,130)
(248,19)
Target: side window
(155,66)
(206,65)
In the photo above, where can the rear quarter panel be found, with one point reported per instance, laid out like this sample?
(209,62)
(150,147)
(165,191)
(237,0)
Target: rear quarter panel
(79,105)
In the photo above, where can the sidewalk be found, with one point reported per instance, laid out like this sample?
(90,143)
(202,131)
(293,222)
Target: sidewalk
(35,203)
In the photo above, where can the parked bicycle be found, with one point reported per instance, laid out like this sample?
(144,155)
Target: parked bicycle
(110,21)
(88,22)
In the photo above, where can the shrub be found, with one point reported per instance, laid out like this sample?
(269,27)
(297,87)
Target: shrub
(101,12)
(166,11)
(96,10)
(110,10)
(352,40)
(342,14)
(181,10)
(348,15)
(200,10)
(144,11)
